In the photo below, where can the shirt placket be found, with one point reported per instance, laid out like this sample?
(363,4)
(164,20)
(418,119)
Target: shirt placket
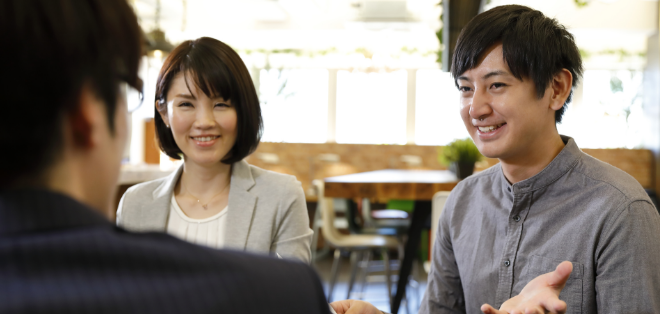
(517,215)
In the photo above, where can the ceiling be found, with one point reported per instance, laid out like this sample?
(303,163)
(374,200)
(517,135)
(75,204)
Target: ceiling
(298,24)
(380,24)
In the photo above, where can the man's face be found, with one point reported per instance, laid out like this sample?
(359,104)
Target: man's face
(503,114)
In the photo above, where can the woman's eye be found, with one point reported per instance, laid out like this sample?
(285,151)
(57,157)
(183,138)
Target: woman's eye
(498,85)
(221,105)
(185,104)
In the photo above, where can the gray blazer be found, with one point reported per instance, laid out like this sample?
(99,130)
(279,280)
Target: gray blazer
(267,211)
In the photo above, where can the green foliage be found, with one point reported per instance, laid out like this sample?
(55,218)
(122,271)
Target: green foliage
(585,54)
(581,3)
(438,34)
(439,53)
(616,85)
(459,151)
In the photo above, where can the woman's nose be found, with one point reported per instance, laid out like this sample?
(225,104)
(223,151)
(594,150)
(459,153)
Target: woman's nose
(204,119)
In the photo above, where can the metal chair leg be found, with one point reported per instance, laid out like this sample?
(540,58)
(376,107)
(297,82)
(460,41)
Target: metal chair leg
(364,271)
(355,256)
(388,278)
(315,237)
(333,274)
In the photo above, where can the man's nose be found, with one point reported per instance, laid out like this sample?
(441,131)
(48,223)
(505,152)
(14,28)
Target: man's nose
(480,106)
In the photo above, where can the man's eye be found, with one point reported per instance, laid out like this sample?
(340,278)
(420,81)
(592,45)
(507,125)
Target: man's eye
(498,85)
(185,104)
(464,89)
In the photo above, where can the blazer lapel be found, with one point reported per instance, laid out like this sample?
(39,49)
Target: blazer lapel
(241,206)
(155,214)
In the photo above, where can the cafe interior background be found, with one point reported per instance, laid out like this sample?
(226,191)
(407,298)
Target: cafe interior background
(350,86)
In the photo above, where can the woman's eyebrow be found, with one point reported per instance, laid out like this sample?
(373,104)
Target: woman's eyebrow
(188,96)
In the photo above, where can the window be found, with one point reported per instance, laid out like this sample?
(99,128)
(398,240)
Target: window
(437,117)
(371,107)
(610,113)
(294,105)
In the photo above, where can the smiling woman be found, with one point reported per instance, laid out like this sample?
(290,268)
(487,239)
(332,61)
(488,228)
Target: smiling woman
(203,127)
(207,113)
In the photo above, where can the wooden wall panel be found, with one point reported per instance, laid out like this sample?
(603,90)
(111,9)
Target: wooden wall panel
(302,160)
(151,150)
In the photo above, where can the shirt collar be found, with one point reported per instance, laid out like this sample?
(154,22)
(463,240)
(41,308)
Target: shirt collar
(28,210)
(560,165)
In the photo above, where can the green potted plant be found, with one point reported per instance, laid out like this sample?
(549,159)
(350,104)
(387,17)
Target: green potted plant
(460,156)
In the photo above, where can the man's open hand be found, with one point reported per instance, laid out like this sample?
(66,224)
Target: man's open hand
(541,295)
(354,307)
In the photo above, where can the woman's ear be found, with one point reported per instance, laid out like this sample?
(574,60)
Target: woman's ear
(562,83)
(161,107)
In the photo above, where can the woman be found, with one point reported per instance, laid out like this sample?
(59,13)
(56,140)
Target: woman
(207,112)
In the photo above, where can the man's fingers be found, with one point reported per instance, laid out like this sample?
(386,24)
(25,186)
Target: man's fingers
(534,310)
(340,306)
(487,309)
(556,306)
(559,277)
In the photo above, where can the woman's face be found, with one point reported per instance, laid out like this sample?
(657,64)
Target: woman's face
(204,128)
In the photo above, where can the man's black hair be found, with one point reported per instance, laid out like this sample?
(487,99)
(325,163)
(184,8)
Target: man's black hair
(50,50)
(534,46)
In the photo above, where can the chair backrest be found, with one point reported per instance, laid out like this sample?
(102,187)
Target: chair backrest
(437,205)
(324,204)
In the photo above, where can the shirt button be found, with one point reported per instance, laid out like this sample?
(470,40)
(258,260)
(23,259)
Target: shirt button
(507,263)
(508,188)
(516,218)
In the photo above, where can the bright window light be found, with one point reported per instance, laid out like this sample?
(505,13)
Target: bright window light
(437,118)
(610,113)
(294,105)
(371,107)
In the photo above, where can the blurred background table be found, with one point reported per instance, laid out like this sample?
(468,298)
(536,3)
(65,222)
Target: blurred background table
(382,185)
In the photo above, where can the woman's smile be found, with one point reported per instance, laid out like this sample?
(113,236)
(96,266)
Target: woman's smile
(205,140)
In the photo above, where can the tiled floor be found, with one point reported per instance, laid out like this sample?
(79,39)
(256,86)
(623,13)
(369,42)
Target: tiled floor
(375,290)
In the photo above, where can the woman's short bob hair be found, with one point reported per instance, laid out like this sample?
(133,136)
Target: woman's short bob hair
(217,71)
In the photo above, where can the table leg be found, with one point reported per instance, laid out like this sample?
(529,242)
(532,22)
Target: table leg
(420,214)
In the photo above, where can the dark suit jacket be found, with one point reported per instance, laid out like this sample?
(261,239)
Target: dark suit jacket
(58,256)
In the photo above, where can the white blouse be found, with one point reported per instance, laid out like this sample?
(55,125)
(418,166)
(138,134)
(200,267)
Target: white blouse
(208,231)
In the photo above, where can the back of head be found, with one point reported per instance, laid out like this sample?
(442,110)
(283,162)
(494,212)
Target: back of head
(534,46)
(51,48)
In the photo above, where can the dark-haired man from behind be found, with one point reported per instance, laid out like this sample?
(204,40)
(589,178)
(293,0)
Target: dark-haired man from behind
(546,201)
(63,130)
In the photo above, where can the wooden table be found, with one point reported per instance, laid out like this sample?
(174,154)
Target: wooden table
(417,185)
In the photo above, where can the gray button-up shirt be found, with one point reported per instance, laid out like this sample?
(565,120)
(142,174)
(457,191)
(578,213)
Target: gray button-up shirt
(494,237)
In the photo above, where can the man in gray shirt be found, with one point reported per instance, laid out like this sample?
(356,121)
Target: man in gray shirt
(546,201)
(508,227)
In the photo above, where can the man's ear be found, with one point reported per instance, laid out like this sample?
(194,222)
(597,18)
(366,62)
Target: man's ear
(561,87)
(86,118)
(162,110)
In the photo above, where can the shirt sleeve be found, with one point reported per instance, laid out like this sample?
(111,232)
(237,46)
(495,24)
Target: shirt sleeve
(628,262)
(444,292)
